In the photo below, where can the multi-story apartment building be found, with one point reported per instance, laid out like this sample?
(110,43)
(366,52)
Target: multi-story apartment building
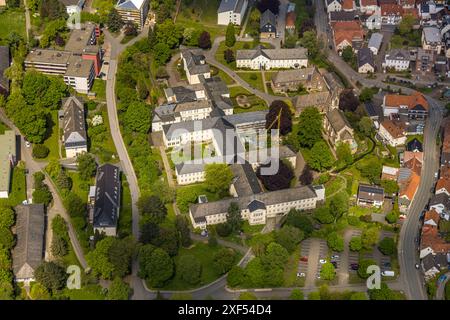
(231,11)
(134,11)
(262,58)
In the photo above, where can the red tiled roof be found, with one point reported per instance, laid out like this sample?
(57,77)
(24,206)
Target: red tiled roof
(391,9)
(395,128)
(412,11)
(411,186)
(365,3)
(432,215)
(347,30)
(443,183)
(347,4)
(430,238)
(413,161)
(290,19)
(396,100)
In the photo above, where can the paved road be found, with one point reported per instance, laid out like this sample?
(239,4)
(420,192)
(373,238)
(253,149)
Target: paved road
(27,20)
(408,253)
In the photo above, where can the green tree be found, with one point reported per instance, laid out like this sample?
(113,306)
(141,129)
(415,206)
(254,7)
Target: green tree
(327,272)
(339,205)
(389,186)
(363,265)
(234,218)
(218,178)
(384,293)
(289,237)
(230,37)
(51,275)
(59,246)
(315,295)
(42,195)
(236,277)
(169,33)
(120,255)
(86,166)
(301,221)
(223,260)
(6,291)
(367,94)
(297,294)
(63,181)
(387,246)
(323,215)
(119,290)
(74,205)
(7,217)
(114,21)
(369,237)
(347,54)
(182,227)
(161,53)
(310,42)
(344,153)
(370,169)
(39,292)
(40,151)
(358,296)
(355,244)
(321,157)
(137,117)
(309,127)
(365,126)
(335,242)
(190,269)
(406,24)
(6,238)
(152,208)
(98,258)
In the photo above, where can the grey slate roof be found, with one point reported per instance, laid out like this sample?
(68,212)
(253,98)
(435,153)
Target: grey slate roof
(414,145)
(398,54)
(268,18)
(195,61)
(343,15)
(337,120)
(272,54)
(200,211)
(304,74)
(230,5)
(245,180)
(4,64)
(256,205)
(428,262)
(375,40)
(29,250)
(107,196)
(366,191)
(365,56)
(440,198)
(74,123)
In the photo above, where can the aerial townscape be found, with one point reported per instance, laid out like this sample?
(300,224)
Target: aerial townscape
(224,149)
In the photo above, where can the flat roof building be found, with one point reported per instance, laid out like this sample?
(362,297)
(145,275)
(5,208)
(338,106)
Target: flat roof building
(8,151)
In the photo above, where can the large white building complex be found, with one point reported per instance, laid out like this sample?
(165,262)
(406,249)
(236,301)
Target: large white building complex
(261,58)
(231,11)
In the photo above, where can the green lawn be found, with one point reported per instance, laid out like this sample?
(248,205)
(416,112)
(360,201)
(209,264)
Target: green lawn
(102,5)
(254,79)
(189,194)
(256,103)
(291,269)
(201,15)
(99,87)
(52,142)
(89,292)
(126,214)
(220,73)
(12,20)
(18,188)
(416,136)
(3,127)
(333,185)
(80,187)
(204,254)
(103,146)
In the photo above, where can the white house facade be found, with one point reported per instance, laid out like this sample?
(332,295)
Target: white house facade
(272,58)
(231,11)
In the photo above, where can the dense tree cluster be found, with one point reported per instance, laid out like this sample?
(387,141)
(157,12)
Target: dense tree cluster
(281,180)
(279,117)
(272,5)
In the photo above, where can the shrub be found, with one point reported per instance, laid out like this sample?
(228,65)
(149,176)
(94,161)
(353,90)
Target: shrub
(223,229)
(40,151)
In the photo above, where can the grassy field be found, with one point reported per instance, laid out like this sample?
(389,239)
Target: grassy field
(18,192)
(220,73)
(12,21)
(254,79)
(193,191)
(291,269)
(204,254)
(89,292)
(52,142)
(201,15)
(256,103)
(99,87)
(80,187)
(125,216)
(104,146)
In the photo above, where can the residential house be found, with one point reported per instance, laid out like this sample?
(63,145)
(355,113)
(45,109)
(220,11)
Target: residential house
(389,173)
(432,242)
(347,33)
(440,202)
(291,80)
(333,5)
(245,182)
(74,128)
(391,14)
(107,200)
(368,6)
(268,25)
(445,152)
(369,195)
(231,11)
(414,146)
(195,66)
(256,208)
(431,39)
(29,250)
(425,60)
(4,64)
(321,100)
(365,61)
(371,21)
(408,191)
(8,154)
(348,5)
(375,42)
(80,74)
(73,6)
(429,267)
(397,59)
(443,186)
(134,11)
(415,106)
(335,16)
(188,173)
(393,132)
(413,161)
(338,129)
(291,18)
(261,58)
(431,218)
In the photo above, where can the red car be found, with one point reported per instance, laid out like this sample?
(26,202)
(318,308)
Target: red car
(304,259)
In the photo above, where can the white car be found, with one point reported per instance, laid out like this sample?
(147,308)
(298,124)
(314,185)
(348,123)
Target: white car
(301,274)
(322,261)
(27,144)
(335,256)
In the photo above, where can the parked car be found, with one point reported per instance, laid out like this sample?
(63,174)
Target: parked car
(27,144)
(335,256)
(442,279)
(417,266)
(301,274)
(354,266)
(387,264)
(388,273)
(304,259)
(322,261)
